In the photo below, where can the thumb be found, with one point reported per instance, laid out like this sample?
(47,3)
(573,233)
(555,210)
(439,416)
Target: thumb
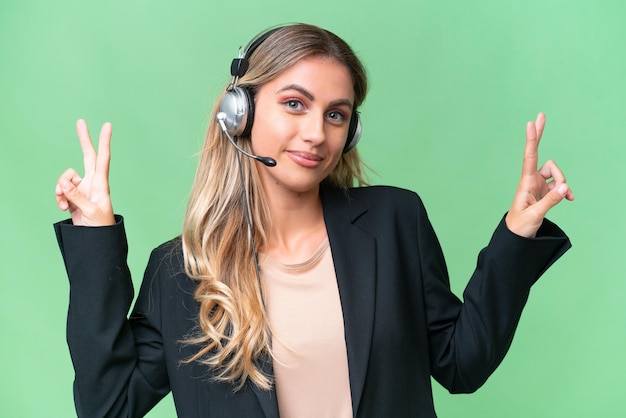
(552,198)
(74,196)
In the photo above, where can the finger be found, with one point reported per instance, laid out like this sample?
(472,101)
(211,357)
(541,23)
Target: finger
(552,198)
(552,185)
(104,153)
(70,175)
(531,154)
(62,202)
(551,170)
(540,123)
(74,197)
(89,153)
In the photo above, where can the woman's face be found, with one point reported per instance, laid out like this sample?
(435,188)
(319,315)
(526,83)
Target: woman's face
(301,120)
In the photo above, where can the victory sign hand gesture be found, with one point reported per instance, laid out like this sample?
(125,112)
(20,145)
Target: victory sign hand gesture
(88,198)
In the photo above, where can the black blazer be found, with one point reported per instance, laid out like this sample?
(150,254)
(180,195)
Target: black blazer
(402,322)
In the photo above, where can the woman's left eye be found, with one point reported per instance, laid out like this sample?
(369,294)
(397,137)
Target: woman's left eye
(336,116)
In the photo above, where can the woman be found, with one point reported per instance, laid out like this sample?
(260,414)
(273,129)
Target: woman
(346,309)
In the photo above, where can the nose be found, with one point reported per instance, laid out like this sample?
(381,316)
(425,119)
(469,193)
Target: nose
(312,128)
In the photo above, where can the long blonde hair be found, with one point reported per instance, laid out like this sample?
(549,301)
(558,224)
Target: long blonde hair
(233,333)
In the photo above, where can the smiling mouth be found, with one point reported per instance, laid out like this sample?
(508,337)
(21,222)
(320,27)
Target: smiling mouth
(305,159)
(306,155)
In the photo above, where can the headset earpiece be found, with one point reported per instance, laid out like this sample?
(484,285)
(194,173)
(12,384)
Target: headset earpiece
(354,132)
(238,106)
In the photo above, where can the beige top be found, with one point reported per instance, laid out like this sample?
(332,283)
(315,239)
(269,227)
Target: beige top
(310,357)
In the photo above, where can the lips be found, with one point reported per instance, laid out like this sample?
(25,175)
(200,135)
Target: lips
(305,159)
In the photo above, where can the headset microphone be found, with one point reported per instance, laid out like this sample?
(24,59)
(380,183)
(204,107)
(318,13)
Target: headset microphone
(221,119)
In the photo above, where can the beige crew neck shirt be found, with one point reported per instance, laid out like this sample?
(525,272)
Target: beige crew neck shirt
(308,341)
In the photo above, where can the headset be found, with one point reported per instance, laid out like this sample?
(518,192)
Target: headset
(236,110)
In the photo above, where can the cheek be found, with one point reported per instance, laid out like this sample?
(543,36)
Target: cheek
(335,160)
(268,131)
(260,136)
(337,145)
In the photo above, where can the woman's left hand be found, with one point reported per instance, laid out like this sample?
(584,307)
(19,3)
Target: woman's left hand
(538,189)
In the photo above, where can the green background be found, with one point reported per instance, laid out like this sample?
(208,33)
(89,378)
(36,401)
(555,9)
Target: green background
(452,86)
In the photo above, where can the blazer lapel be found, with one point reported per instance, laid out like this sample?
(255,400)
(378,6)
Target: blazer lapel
(354,257)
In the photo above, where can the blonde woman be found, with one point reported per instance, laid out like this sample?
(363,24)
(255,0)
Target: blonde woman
(294,288)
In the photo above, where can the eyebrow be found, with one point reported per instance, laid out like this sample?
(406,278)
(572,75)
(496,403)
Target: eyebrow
(308,95)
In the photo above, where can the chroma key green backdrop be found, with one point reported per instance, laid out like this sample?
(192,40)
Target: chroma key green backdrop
(452,86)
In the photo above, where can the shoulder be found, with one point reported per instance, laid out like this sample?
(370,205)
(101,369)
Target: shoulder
(374,206)
(167,292)
(373,198)
(166,260)
(165,277)
(384,195)
(170,249)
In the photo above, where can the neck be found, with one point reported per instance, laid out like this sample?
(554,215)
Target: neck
(297,226)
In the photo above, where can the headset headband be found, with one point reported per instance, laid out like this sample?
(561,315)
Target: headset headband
(240,65)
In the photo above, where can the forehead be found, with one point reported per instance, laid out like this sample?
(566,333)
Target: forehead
(322,75)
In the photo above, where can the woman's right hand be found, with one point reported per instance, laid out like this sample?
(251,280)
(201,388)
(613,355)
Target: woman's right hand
(88,198)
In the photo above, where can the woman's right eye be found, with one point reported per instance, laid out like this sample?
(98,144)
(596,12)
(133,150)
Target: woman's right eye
(293,104)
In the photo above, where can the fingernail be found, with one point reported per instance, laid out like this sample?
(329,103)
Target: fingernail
(562,189)
(65,185)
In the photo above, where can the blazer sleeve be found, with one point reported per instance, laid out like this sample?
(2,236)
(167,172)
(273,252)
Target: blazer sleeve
(119,367)
(469,339)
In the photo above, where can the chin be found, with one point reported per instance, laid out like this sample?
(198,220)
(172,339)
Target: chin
(302,187)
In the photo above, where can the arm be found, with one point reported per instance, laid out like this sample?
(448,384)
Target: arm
(119,369)
(469,340)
